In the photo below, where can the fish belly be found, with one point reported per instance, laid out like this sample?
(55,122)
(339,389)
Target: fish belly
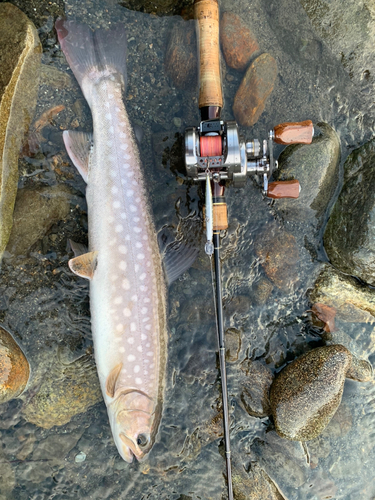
(127,292)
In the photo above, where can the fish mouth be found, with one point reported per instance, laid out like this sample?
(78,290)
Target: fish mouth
(133,449)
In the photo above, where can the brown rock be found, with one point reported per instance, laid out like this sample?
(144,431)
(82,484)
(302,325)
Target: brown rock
(255,388)
(181,56)
(35,212)
(68,390)
(237,41)
(306,393)
(20,54)
(14,368)
(254,90)
(254,485)
(232,344)
(278,254)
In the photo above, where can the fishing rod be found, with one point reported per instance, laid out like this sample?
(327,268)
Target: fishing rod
(215,153)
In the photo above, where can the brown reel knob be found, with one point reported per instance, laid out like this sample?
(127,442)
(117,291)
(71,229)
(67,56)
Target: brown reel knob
(283,189)
(294,133)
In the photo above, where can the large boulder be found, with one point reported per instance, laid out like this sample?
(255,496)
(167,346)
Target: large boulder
(14,368)
(20,55)
(349,238)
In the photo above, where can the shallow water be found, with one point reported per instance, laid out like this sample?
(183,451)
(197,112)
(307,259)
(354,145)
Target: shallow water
(47,308)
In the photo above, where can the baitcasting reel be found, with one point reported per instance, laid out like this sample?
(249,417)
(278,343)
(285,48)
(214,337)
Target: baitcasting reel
(216,148)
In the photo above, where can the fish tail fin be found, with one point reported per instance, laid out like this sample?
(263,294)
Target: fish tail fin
(93,54)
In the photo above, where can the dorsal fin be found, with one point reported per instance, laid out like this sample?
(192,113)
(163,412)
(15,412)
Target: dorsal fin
(84,265)
(78,146)
(110,385)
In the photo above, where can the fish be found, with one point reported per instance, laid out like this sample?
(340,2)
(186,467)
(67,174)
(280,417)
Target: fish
(126,263)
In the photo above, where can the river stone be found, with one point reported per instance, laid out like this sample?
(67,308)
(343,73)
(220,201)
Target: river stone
(232,344)
(35,212)
(14,368)
(20,55)
(69,389)
(316,166)
(306,393)
(349,238)
(352,301)
(255,88)
(237,41)
(254,484)
(181,57)
(255,388)
(278,254)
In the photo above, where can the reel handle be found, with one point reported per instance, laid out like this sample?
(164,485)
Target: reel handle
(283,189)
(206,13)
(294,133)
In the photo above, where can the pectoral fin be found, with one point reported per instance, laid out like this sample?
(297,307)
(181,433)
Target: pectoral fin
(84,265)
(78,146)
(110,386)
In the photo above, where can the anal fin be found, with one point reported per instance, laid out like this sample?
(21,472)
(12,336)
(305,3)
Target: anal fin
(110,385)
(84,265)
(78,146)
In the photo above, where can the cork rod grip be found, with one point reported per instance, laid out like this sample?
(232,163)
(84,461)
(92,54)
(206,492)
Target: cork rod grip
(206,13)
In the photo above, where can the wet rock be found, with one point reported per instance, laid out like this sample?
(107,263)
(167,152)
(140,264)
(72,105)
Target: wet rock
(255,388)
(350,233)
(254,484)
(14,368)
(284,461)
(237,41)
(7,479)
(340,424)
(316,166)
(35,212)
(278,254)
(64,392)
(159,7)
(349,32)
(255,88)
(351,301)
(262,291)
(306,393)
(181,57)
(20,54)
(232,344)
(53,77)
(360,370)
(326,314)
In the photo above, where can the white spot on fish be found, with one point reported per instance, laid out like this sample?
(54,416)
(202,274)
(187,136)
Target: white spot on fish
(146,300)
(140,256)
(138,380)
(123,216)
(137,229)
(119,327)
(143,336)
(136,368)
(142,276)
(136,268)
(143,288)
(122,265)
(144,320)
(148,344)
(131,357)
(122,249)
(116,204)
(129,192)
(148,327)
(139,348)
(127,312)
(125,165)
(139,244)
(134,298)
(119,228)
(144,310)
(130,340)
(118,300)
(133,327)
(114,277)
(123,135)
(121,349)
(136,219)
(108,116)
(114,189)
(138,199)
(125,284)
(149,353)
(124,147)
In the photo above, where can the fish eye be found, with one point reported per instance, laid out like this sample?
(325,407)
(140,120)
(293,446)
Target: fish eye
(142,440)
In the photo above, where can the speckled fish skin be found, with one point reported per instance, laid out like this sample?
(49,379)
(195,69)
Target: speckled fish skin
(127,290)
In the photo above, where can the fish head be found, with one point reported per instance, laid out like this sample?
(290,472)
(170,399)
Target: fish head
(131,424)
